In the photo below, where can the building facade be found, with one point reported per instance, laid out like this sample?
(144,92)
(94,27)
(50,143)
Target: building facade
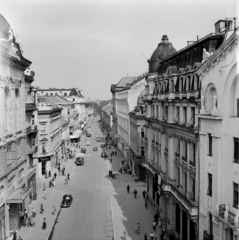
(62,92)
(137,139)
(172,106)
(219,140)
(14,191)
(50,149)
(106,117)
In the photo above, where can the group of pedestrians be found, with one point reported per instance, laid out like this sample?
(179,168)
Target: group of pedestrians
(27,219)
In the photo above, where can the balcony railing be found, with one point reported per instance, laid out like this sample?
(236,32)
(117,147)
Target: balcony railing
(228,216)
(31,107)
(31,129)
(207,236)
(222,210)
(32,150)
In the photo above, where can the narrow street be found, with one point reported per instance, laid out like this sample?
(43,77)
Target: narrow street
(87,216)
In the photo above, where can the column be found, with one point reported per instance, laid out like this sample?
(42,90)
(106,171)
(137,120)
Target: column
(171,158)
(181,115)
(196,117)
(170,115)
(159,110)
(188,120)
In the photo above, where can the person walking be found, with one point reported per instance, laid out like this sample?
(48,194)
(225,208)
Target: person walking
(154,225)
(128,188)
(135,178)
(41,209)
(44,224)
(152,236)
(110,160)
(54,183)
(135,193)
(55,174)
(68,176)
(49,173)
(163,233)
(146,236)
(144,193)
(26,213)
(138,229)
(14,235)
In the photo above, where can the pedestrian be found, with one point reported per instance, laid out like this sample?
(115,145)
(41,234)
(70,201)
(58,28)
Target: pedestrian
(25,213)
(49,173)
(109,173)
(156,217)
(110,160)
(32,221)
(128,188)
(138,229)
(145,236)
(135,178)
(163,233)
(20,238)
(44,224)
(54,183)
(28,221)
(14,235)
(50,183)
(68,176)
(41,209)
(154,225)
(159,222)
(135,193)
(152,236)
(55,175)
(144,192)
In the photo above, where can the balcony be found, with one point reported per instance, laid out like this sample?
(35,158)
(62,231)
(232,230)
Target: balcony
(32,150)
(227,216)
(207,236)
(31,129)
(31,107)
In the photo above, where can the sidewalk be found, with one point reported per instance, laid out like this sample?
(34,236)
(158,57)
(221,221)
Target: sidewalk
(54,198)
(126,210)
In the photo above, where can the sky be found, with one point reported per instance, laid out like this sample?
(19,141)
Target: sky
(91,44)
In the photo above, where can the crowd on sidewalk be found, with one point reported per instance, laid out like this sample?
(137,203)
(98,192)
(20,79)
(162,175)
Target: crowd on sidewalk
(125,168)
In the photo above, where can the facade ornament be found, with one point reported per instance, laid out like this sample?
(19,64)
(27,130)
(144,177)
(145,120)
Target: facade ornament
(9,82)
(205,55)
(202,110)
(13,51)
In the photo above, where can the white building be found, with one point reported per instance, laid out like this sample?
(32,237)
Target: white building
(219,141)
(127,93)
(62,92)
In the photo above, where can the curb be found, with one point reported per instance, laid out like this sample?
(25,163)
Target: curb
(50,234)
(112,215)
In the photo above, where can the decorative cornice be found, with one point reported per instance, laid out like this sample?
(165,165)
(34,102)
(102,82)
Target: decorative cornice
(9,82)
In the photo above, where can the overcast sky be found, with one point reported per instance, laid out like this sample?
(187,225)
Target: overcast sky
(91,44)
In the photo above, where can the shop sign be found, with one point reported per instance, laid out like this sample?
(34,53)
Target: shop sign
(44,159)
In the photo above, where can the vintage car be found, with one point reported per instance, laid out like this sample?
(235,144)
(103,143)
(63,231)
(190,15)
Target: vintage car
(95,148)
(66,200)
(102,145)
(103,155)
(83,150)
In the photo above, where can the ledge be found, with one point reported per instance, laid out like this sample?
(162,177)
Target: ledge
(210,117)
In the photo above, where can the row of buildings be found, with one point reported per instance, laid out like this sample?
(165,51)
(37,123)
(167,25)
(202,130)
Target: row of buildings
(178,128)
(35,127)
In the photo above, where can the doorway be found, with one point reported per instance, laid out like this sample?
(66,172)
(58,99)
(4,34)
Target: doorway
(185,226)
(43,171)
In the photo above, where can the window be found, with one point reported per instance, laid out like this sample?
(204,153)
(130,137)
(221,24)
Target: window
(43,128)
(33,120)
(235,195)
(142,151)
(9,156)
(209,189)
(209,145)
(185,114)
(142,133)
(192,189)
(10,182)
(178,173)
(21,173)
(33,141)
(185,183)
(236,150)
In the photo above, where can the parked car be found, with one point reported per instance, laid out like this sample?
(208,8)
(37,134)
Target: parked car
(80,161)
(103,155)
(87,143)
(95,148)
(88,135)
(83,150)
(66,201)
(102,145)
(97,139)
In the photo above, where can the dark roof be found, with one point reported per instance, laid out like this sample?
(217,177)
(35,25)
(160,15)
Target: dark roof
(125,80)
(48,100)
(57,99)
(112,88)
(164,49)
(73,92)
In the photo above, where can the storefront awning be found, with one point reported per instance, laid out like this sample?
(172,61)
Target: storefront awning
(18,195)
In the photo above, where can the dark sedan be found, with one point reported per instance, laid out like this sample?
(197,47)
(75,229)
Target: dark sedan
(102,145)
(83,150)
(95,148)
(103,155)
(66,201)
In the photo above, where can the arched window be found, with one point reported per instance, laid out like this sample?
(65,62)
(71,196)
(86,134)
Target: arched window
(211,98)
(65,94)
(51,94)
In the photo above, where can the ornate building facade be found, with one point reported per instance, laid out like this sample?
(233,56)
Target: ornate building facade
(219,139)
(13,137)
(171,133)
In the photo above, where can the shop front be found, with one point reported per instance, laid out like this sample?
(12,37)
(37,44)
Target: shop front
(31,183)
(44,165)
(17,202)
